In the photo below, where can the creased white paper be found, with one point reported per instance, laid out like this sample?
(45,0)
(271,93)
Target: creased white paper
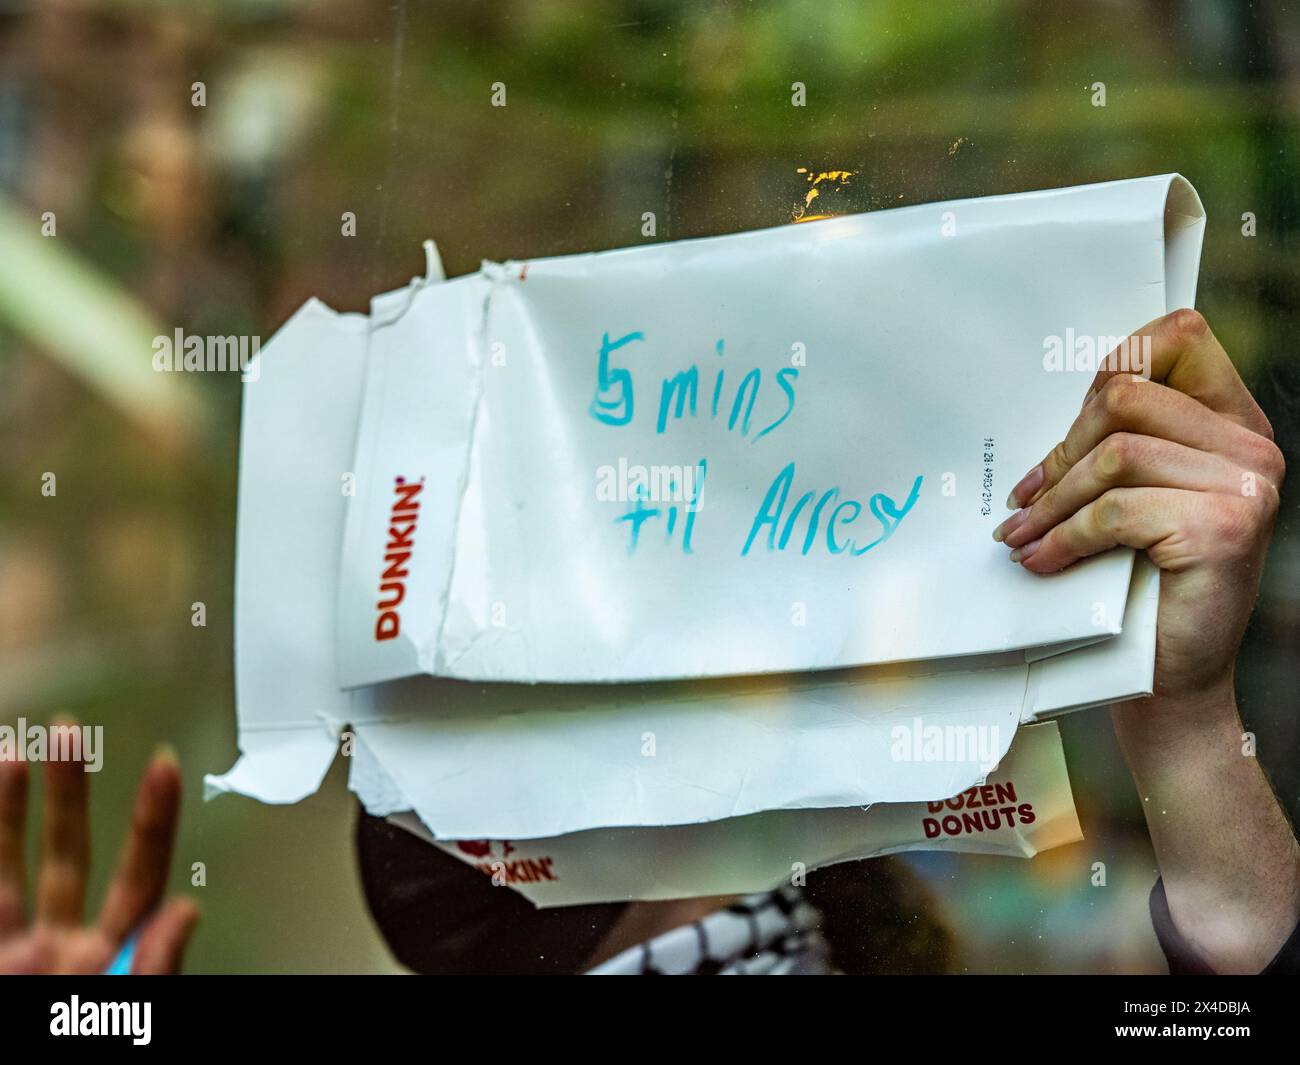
(818,424)
(721,748)
(1024,807)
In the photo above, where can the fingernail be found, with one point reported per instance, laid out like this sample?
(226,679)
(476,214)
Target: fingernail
(1010,525)
(1020,554)
(165,752)
(1029,484)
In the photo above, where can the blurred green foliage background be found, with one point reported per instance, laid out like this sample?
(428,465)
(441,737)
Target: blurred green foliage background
(223,218)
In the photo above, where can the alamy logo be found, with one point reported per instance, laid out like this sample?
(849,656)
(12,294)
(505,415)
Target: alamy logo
(397,553)
(22,742)
(626,483)
(1073,353)
(102,1018)
(182,353)
(959,744)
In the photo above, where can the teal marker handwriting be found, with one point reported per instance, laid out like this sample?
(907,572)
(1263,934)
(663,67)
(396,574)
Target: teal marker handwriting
(687,498)
(616,410)
(761,402)
(752,402)
(826,517)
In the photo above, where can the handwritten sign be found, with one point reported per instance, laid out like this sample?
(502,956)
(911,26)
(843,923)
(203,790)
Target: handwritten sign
(775,451)
(614,404)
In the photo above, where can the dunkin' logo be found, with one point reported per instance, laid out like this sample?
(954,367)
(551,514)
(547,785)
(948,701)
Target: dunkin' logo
(397,553)
(482,848)
(492,858)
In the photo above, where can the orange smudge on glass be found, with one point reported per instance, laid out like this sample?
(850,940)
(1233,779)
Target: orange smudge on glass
(834,179)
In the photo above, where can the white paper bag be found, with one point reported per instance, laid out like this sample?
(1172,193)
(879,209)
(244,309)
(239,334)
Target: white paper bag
(822,422)
(1024,807)
(558,759)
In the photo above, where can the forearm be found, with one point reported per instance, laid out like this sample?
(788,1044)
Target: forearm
(1226,852)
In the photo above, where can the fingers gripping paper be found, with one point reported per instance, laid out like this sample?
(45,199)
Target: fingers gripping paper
(507,580)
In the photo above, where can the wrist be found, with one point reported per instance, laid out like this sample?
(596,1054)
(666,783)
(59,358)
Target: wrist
(1213,703)
(1225,851)
(1169,733)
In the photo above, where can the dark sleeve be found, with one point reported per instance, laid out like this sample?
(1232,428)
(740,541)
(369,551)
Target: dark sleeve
(1182,957)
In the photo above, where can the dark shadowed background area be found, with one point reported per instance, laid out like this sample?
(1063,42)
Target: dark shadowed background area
(223,218)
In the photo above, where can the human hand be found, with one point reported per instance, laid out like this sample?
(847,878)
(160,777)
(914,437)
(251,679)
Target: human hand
(1183,466)
(55,939)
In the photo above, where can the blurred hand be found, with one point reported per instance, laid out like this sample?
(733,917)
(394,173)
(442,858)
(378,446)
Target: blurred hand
(54,939)
(1183,466)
